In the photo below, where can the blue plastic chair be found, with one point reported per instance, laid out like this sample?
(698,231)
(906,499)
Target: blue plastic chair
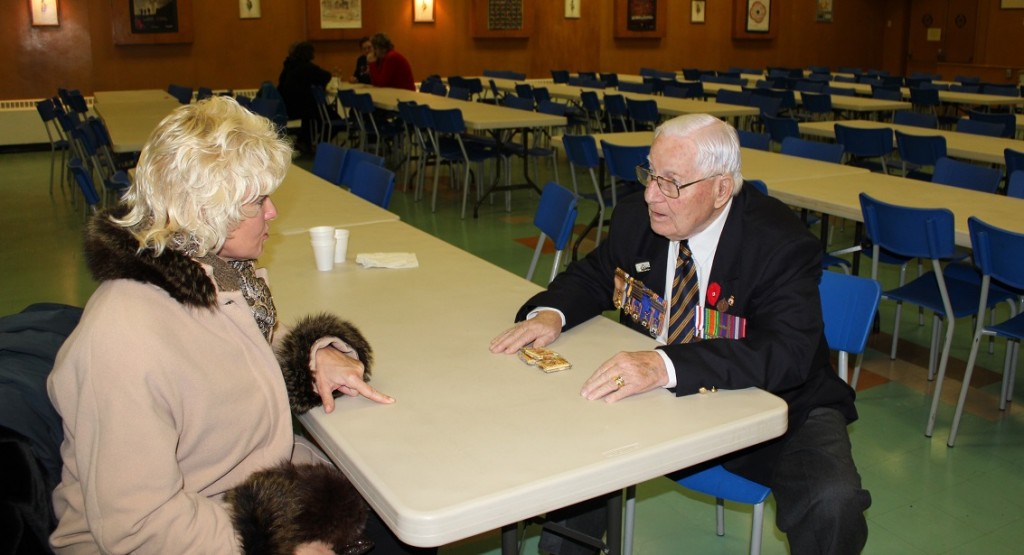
(1000,90)
(58,142)
(925,233)
(925,99)
(1004,119)
(83,177)
(861,144)
(886,93)
(825,152)
(643,114)
(848,307)
(560,75)
(780,128)
(555,218)
(917,119)
(641,88)
(694,89)
(621,162)
(750,139)
(353,159)
(373,183)
(328,160)
(180,92)
(966,175)
(917,151)
(581,151)
(448,127)
(978,127)
(817,106)
(999,254)
(1015,184)
(617,112)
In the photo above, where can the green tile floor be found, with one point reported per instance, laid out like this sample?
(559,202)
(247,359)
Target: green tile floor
(928,499)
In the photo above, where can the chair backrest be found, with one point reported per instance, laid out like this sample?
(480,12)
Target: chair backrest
(373,183)
(767,104)
(83,177)
(910,232)
(848,306)
(328,161)
(581,151)
(524,90)
(353,159)
(978,127)
(807,86)
(1015,184)
(541,94)
(643,111)
(518,102)
(609,79)
(859,141)
(449,121)
(917,119)
(814,150)
(886,93)
(180,92)
(643,88)
(591,102)
(725,96)
(780,128)
(966,175)
(751,139)
(1014,160)
(998,252)
(556,214)
(817,103)
(458,93)
(1000,90)
(965,88)
(924,97)
(1005,119)
(623,160)
(560,75)
(694,89)
(923,150)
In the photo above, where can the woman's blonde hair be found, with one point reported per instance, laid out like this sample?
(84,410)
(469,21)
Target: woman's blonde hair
(199,168)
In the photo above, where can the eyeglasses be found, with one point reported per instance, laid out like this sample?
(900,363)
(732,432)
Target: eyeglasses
(669,187)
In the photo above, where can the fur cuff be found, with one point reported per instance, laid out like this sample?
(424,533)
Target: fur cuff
(280,508)
(293,355)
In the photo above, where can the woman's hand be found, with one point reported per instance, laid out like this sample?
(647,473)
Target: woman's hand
(336,371)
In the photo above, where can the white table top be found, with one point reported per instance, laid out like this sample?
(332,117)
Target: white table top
(861,103)
(304,200)
(967,146)
(142,95)
(475,440)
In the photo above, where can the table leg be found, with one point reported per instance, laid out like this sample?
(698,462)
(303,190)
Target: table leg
(510,539)
(529,184)
(613,544)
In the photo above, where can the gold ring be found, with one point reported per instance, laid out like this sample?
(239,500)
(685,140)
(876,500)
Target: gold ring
(619,382)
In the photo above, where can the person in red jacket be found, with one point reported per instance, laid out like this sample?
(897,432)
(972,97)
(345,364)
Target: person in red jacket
(389,68)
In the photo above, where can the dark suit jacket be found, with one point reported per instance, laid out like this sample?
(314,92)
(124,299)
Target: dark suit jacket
(769,265)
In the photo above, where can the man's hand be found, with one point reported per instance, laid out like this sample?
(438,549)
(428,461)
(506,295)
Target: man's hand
(541,330)
(626,374)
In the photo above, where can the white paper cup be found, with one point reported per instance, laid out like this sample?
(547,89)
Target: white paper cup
(341,245)
(323,251)
(321,232)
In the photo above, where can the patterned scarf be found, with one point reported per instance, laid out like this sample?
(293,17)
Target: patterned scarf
(240,275)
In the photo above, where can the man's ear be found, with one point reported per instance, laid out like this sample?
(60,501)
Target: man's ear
(723,190)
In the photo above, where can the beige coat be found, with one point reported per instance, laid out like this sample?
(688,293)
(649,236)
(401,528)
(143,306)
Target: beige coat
(165,407)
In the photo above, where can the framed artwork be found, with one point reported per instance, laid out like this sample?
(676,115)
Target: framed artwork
(752,19)
(495,19)
(1011,4)
(422,11)
(759,16)
(640,19)
(697,11)
(337,19)
(44,13)
(824,14)
(151,21)
(572,9)
(249,9)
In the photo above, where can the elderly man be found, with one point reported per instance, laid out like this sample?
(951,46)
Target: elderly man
(716,251)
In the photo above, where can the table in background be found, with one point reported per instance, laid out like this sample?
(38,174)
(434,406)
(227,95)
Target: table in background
(130,116)
(979,148)
(304,200)
(478,441)
(861,104)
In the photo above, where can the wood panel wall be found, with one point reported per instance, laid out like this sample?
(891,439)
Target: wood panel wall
(229,52)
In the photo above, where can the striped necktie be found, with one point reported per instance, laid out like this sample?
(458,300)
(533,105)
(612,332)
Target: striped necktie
(684,297)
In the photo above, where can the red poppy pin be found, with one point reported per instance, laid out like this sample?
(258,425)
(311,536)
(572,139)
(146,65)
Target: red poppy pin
(714,291)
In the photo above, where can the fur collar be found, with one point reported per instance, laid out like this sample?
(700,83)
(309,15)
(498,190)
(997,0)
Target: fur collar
(111,253)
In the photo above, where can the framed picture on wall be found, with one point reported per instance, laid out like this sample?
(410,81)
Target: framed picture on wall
(336,20)
(44,13)
(640,19)
(151,21)
(697,11)
(759,16)
(423,11)
(1011,4)
(572,9)
(249,9)
(824,14)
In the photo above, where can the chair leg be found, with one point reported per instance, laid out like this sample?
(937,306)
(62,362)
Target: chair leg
(755,529)
(934,347)
(856,370)
(963,388)
(896,331)
(719,516)
(536,255)
(950,326)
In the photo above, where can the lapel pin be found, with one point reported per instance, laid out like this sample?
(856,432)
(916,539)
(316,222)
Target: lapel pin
(643,266)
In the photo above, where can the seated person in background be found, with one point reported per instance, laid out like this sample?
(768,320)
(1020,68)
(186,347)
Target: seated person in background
(389,68)
(294,83)
(697,234)
(362,72)
(175,388)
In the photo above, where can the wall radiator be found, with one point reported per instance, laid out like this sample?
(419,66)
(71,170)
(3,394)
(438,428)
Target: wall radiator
(20,123)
